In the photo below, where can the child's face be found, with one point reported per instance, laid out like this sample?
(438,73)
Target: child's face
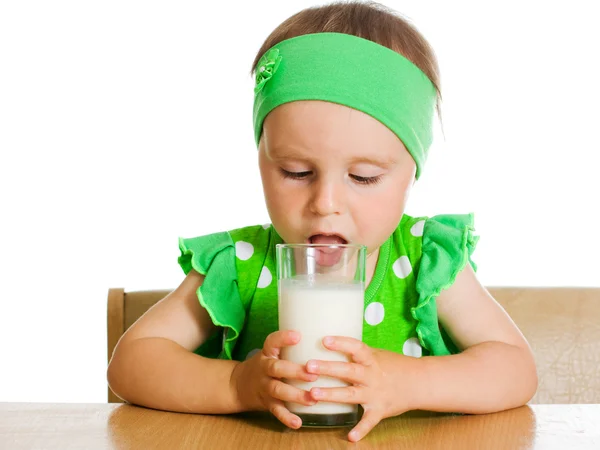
(331,170)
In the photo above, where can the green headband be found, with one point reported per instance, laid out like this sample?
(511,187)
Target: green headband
(351,71)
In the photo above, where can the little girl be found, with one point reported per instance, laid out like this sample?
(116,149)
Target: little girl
(345,98)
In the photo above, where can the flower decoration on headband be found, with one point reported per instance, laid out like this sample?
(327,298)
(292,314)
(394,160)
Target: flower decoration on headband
(267,66)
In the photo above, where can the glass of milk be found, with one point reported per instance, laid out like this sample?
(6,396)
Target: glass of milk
(321,293)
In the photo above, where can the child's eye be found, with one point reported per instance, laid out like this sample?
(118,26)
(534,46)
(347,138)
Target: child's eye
(295,175)
(366,180)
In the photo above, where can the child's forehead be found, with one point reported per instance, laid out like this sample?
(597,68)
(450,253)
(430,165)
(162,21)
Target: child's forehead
(297,127)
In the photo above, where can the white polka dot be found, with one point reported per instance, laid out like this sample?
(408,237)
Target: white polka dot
(412,348)
(417,228)
(374,313)
(266,226)
(402,267)
(252,353)
(243,250)
(265,278)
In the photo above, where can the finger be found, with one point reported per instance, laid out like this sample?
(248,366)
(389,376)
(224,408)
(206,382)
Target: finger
(350,394)
(278,339)
(287,393)
(279,368)
(359,352)
(290,420)
(348,372)
(369,420)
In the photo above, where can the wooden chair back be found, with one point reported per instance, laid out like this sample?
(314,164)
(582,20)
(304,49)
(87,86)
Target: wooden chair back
(561,325)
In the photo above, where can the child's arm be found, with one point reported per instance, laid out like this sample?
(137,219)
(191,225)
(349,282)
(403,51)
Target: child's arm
(154,365)
(496,369)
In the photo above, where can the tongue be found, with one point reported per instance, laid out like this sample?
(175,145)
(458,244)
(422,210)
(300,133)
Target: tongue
(328,240)
(328,256)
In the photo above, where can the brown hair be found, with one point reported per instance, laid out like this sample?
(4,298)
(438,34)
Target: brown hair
(368,20)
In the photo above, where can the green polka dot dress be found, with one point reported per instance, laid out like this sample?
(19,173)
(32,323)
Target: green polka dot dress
(420,259)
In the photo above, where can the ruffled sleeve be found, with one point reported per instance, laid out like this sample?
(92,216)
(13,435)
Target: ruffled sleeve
(214,257)
(447,246)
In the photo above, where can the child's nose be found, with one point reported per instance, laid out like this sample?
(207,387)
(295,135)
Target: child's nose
(328,198)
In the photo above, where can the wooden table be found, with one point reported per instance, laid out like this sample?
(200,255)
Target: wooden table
(114,426)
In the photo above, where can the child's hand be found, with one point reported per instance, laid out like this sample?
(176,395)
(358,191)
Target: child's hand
(373,376)
(258,380)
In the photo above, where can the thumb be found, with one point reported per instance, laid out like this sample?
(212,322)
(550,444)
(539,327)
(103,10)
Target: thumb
(368,421)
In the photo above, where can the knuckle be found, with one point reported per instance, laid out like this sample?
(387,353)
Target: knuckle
(273,367)
(368,423)
(275,409)
(352,392)
(372,423)
(274,388)
(371,417)
(357,371)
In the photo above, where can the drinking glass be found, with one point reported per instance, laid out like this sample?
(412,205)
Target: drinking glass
(320,293)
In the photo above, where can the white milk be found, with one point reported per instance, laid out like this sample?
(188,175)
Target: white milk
(317,310)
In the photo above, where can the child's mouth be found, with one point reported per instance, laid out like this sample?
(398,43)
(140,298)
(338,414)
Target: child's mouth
(327,239)
(327,256)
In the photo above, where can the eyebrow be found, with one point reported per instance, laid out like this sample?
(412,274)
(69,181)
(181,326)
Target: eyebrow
(279,153)
(385,163)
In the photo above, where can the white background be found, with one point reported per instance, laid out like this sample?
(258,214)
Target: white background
(124,125)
